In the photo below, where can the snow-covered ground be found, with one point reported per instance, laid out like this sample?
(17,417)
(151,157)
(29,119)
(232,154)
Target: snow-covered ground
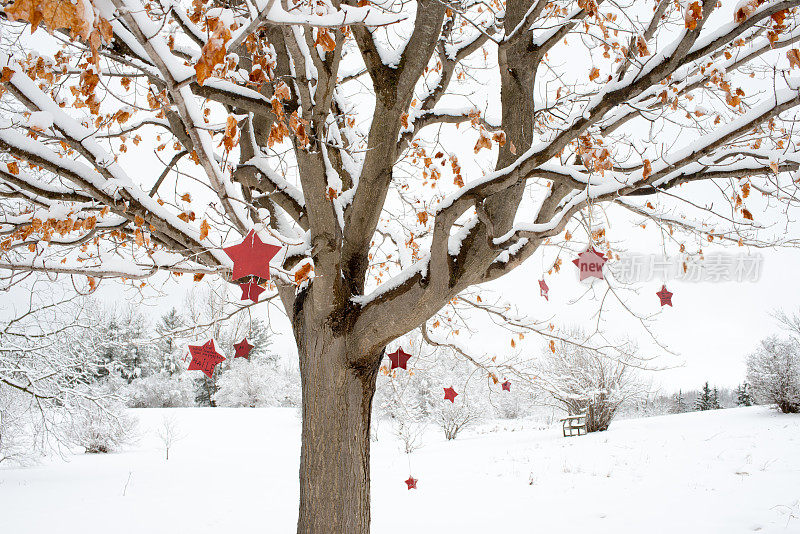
(235,471)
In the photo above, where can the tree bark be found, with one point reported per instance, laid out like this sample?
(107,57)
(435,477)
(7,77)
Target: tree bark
(334,459)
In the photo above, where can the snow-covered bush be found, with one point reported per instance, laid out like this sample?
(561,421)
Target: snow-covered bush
(98,425)
(413,398)
(160,391)
(582,379)
(509,405)
(773,372)
(455,417)
(257,382)
(16,418)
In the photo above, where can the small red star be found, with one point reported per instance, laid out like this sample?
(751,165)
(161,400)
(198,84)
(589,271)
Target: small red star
(450,394)
(243,349)
(506,386)
(251,256)
(399,358)
(543,289)
(411,482)
(251,291)
(204,358)
(665,295)
(590,262)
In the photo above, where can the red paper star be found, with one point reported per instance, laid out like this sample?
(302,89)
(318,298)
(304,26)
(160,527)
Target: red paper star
(665,295)
(251,291)
(590,262)
(251,256)
(204,358)
(543,289)
(450,394)
(411,482)
(243,349)
(399,358)
(506,386)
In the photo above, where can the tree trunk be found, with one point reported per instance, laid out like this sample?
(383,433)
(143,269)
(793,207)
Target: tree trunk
(334,458)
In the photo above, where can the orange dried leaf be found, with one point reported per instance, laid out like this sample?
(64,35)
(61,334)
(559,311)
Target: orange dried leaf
(693,13)
(282,91)
(794,57)
(302,273)
(483,142)
(325,40)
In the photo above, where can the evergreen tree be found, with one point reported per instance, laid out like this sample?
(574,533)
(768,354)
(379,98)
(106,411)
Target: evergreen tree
(205,389)
(120,347)
(743,397)
(715,400)
(680,403)
(168,350)
(705,401)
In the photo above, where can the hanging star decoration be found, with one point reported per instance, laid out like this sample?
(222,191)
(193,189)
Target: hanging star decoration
(665,295)
(251,291)
(251,257)
(506,386)
(243,349)
(543,289)
(399,358)
(411,482)
(450,394)
(590,263)
(204,358)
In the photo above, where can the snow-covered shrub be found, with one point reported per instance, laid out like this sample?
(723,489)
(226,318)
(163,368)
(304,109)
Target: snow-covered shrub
(582,379)
(16,441)
(160,391)
(257,382)
(773,372)
(455,417)
(98,425)
(413,398)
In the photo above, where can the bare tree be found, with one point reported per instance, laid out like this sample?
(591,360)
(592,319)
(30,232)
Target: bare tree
(169,432)
(400,152)
(773,372)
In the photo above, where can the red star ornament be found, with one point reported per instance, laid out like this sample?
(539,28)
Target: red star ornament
(543,289)
(411,482)
(399,358)
(251,291)
(450,394)
(204,358)
(251,256)
(243,349)
(506,386)
(665,295)
(590,263)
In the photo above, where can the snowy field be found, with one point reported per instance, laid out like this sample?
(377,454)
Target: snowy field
(235,471)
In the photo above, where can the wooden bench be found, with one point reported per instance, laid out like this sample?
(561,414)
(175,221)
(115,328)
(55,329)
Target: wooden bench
(573,424)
